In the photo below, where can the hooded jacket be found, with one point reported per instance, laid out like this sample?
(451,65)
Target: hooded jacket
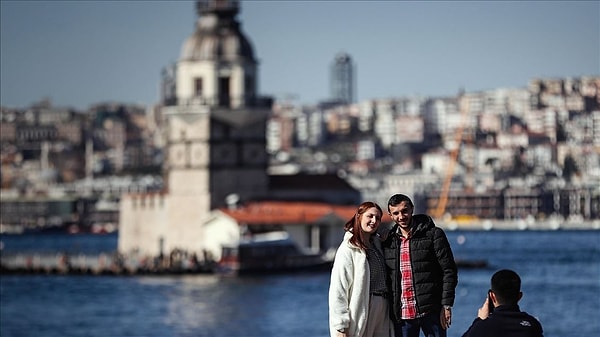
(435,275)
(349,291)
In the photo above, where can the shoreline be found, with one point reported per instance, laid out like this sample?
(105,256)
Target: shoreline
(452,225)
(519,225)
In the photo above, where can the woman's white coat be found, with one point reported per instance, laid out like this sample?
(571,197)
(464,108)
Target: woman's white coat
(349,289)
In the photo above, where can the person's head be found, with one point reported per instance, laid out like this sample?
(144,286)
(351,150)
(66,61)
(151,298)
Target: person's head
(366,221)
(400,208)
(506,287)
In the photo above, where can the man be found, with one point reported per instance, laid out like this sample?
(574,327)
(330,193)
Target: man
(421,271)
(506,319)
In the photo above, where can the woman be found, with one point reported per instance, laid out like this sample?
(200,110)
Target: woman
(357,292)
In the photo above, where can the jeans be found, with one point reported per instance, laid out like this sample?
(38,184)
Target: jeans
(430,324)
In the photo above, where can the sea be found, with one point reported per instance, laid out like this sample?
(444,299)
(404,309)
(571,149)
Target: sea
(560,273)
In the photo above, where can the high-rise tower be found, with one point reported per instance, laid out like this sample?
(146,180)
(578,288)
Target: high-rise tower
(343,79)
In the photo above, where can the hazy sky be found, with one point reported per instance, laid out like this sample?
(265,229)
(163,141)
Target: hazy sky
(78,53)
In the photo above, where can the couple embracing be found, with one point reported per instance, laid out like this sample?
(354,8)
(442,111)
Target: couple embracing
(395,282)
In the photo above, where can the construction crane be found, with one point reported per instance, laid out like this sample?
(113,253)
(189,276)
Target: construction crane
(440,207)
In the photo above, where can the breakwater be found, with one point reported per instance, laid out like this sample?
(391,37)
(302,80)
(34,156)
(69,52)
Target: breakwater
(119,265)
(101,264)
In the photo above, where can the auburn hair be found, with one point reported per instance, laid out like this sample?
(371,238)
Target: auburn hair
(353,225)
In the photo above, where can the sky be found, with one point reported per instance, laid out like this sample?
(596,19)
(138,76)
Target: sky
(79,53)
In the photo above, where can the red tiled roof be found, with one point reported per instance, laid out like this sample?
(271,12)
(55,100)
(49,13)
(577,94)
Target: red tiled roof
(289,212)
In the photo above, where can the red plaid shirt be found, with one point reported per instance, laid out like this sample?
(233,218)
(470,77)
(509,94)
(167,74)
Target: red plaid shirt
(409,303)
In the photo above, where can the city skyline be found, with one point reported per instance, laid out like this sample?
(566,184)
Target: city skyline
(81,53)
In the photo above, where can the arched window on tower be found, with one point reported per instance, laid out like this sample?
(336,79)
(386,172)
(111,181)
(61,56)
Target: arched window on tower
(198,86)
(224,93)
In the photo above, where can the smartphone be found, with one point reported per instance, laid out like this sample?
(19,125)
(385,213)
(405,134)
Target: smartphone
(490,302)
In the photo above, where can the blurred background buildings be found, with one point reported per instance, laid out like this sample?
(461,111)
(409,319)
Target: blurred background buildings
(528,154)
(508,153)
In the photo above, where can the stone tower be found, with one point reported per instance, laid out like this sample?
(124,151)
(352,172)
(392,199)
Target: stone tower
(215,134)
(216,141)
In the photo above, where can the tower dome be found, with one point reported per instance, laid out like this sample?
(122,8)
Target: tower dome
(218,35)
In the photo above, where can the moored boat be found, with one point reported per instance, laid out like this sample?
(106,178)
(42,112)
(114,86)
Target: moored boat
(268,253)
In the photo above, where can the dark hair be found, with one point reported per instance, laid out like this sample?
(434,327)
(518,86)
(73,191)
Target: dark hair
(397,199)
(506,285)
(353,225)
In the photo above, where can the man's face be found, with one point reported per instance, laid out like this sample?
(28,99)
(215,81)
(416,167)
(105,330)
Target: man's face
(401,214)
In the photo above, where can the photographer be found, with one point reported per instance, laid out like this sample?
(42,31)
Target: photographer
(500,315)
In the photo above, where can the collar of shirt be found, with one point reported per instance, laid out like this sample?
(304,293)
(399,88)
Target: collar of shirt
(400,235)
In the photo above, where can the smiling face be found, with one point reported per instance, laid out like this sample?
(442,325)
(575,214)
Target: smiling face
(402,215)
(370,220)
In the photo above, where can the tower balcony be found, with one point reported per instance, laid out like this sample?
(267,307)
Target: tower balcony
(217,6)
(232,102)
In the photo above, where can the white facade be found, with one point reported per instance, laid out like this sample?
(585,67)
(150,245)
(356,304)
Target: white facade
(384,122)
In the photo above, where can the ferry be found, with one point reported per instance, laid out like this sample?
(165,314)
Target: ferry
(270,253)
(281,236)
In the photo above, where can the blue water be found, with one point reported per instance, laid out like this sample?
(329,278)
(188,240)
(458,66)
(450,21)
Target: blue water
(560,272)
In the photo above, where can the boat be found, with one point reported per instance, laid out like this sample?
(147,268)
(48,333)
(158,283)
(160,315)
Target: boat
(270,252)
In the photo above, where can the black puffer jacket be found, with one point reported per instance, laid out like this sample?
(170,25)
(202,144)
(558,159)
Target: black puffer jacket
(434,270)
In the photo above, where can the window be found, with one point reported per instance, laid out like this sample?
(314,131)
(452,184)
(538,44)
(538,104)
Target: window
(224,91)
(198,86)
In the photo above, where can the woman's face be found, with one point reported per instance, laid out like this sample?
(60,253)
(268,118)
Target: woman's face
(370,220)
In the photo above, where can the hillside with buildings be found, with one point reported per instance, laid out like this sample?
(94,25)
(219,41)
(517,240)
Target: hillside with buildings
(530,153)
(510,154)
